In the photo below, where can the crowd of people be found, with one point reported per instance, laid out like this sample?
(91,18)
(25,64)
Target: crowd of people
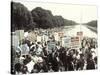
(34,57)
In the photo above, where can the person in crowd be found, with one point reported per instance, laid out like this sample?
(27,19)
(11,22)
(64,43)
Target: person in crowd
(69,61)
(24,69)
(90,63)
(17,68)
(80,63)
(95,61)
(37,57)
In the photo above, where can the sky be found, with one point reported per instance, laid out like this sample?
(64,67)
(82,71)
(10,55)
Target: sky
(77,13)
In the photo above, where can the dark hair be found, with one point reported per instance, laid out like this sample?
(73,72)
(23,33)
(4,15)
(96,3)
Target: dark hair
(17,67)
(24,69)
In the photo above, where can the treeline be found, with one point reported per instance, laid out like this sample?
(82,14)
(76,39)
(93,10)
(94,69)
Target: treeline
(92,23)
(22,18)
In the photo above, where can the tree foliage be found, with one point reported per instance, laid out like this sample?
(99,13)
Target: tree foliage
(22,18)
(58,21)
(42,17)
(92,23)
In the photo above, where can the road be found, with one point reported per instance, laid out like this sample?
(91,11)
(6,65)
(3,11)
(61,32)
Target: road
(87,31)
(92,28)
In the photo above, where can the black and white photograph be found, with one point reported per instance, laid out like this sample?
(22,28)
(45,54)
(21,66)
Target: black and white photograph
(53,37)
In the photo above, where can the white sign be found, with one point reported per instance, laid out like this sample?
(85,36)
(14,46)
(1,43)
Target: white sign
(25,34)
(56,36)
(51,45)
(66,41)
(15,40)
(20,34)
(39,38)
(45,38)
(24,49)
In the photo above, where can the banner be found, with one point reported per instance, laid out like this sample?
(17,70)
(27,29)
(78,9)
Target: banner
(60,34)
(80,33)
(20,34)
(75,42)
(51,45)
(66,41)
(39,38)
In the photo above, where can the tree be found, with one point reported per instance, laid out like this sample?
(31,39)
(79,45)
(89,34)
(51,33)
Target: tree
(42,17)
(58,21)
(21,18)
(92,23)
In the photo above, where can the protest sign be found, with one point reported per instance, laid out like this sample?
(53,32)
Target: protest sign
(20,34)
(51,45)
(66,41)
(15,40)
(60,34)
(75,42)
